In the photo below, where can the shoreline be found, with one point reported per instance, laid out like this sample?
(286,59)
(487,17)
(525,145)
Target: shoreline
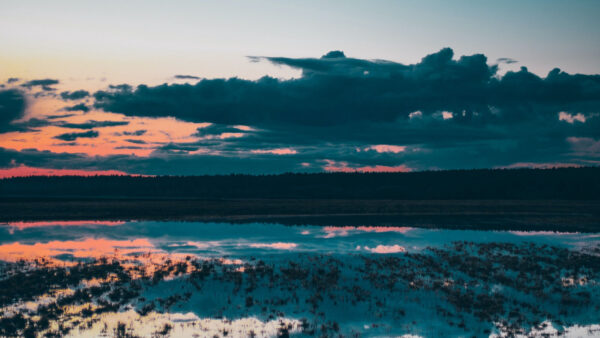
(532,215)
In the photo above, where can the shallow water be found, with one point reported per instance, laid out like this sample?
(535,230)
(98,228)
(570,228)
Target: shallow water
(246,240)
(186,278)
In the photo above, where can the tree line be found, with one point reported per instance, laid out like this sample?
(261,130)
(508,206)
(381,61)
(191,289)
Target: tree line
(562,183)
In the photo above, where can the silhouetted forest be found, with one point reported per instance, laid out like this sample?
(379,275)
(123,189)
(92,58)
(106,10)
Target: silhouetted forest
(564,183)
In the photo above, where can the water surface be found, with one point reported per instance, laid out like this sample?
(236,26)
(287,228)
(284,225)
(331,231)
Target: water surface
(94,278)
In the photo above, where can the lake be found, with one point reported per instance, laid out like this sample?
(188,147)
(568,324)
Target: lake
(104,278)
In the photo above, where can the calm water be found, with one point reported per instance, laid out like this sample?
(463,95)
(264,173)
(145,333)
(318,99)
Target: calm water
(184,279)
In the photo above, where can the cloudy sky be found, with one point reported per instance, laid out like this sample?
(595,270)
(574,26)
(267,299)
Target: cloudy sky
(218,87)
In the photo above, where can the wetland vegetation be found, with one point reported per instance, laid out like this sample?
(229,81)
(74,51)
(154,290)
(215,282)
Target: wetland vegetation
(236,280)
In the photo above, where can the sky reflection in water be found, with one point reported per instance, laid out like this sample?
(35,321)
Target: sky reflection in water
(184,278)
(93,239)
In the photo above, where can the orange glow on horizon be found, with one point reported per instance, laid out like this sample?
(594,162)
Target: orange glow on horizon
(24,171)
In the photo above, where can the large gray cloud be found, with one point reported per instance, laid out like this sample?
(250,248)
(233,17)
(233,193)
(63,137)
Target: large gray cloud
(337,90)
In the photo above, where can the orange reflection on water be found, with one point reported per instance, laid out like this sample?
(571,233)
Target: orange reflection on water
(90,248)
(139,257)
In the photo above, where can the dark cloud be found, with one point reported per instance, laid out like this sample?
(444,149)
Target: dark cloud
(34,158)
(135,141)
(75,95)
(334,54)
(75,136)
(92,124)
(53,117)
(337,90)
(217,129)
(506,60)
(12,79)
(31,124)
(78,107)
(45,83)
(186,77)
(123,86)
(177,148)
(135,132)
(45,92)
(12,107)
(129,147)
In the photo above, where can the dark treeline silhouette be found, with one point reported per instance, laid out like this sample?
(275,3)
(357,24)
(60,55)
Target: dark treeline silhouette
(563,183)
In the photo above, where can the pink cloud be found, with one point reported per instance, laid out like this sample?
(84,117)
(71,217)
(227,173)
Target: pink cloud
(229,135)
(584,145)
(415,114)
(276,151)
(571,118)
(386,148)
(243,127)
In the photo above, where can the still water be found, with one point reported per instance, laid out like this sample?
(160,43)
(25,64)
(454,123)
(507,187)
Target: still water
(95,278)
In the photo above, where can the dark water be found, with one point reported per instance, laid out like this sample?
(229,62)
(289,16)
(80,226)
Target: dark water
(205,279)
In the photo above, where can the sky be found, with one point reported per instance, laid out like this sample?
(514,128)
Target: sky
(264,87)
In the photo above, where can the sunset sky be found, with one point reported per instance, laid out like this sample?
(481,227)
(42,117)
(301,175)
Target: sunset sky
(261,87)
